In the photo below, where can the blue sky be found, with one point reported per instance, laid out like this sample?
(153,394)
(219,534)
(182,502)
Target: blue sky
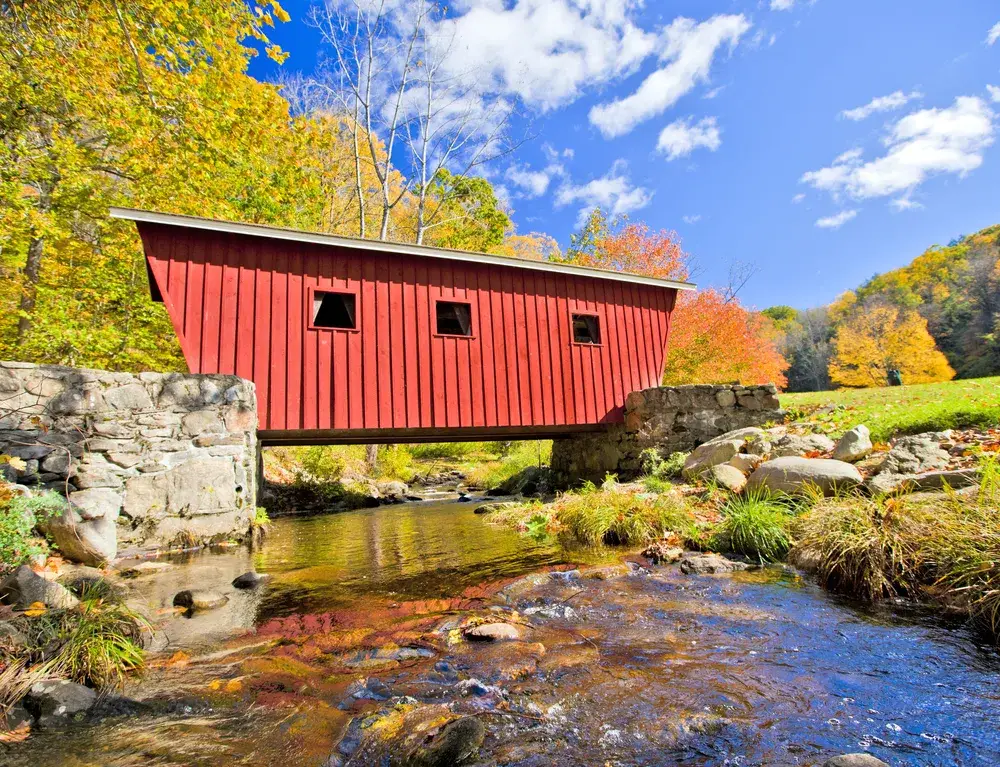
(821,141)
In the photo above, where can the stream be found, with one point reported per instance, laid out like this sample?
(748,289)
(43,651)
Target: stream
(619,665)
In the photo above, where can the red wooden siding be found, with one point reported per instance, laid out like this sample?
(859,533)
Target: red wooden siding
(242,305)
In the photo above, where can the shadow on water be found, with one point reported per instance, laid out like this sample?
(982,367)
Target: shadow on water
(761,668)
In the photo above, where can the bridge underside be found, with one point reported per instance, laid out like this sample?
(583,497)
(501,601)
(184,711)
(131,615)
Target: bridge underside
(279,437)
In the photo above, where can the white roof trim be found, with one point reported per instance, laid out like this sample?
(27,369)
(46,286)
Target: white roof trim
(294,235)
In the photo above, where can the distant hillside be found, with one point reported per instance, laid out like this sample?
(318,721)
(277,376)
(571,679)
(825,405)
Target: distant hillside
(955,289)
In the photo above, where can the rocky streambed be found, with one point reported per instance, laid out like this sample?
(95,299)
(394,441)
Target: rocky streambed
(422,635)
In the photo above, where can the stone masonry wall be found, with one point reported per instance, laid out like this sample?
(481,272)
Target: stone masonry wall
(668,419)
(146,460)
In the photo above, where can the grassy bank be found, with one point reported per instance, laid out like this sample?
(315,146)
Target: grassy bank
(900,410)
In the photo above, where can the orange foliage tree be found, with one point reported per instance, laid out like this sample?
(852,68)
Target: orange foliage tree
(713,338)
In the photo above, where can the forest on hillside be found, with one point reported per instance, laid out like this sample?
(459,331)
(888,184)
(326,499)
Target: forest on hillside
(934,319)
(110,102)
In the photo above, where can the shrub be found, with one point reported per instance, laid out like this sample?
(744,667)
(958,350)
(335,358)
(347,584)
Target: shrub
(452,450)
(656,485)
(754,525)
(18,517)
(394,462)
(654,465)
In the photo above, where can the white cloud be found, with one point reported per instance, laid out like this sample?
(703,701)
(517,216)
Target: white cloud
(613,192)
(688,52)
(533,183)
(905,203)
(994,34)
(782,5)
(798,198)
(920,145)
(836,221)
(544,51)
(714,92)
(681,138)
(691,220)
(994,92)
(881,104)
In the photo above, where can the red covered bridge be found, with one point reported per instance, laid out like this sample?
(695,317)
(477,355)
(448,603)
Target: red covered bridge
(352,341)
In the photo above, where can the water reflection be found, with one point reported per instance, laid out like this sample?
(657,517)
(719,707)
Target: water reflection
(414,551)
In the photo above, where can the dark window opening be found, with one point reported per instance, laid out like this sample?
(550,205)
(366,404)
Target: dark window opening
(586,329)
(334,310)
(454,319)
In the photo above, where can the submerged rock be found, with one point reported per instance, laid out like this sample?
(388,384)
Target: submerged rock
(794,475)
(855,760)
(710,564)
(250,580)
(199,600)
(58,699)
(492,632)
(24,587)
(456,742)
(854,445)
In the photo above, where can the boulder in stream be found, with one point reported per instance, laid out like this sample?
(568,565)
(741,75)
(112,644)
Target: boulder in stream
(492,632)
(56,699)
(199,599)
(250,580)
(455,743)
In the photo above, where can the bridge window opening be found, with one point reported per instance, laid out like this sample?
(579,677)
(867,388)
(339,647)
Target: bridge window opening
(587,329)
(454,318)
(335,310)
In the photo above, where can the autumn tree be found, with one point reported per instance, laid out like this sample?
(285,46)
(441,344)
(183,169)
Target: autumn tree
(876,337)
(713,338)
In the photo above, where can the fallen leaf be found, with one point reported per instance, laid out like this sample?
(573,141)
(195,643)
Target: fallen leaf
(35,609)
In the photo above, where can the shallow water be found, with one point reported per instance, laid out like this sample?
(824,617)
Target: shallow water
(653,668)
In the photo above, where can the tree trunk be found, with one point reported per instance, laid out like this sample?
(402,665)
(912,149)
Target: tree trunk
(32,273)
(371,457)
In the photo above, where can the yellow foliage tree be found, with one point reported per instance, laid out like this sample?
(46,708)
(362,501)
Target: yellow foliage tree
(876,339)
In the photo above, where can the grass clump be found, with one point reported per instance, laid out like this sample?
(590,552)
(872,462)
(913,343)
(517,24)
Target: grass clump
(754,525)
(944,547)
(605,515)
(96,643)
(864,547)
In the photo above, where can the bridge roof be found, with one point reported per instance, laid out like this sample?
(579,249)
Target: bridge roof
(355,243)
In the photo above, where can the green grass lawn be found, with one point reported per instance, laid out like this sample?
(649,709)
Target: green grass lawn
(900,410)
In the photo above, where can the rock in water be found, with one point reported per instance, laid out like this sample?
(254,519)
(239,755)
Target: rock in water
(794,475)
(493,632)
(199,600)
(24,587)
(728,477)
(661,554)
(854,760)
(250,580)
(710,564)
(455,743)
(854,445)
(57,699)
